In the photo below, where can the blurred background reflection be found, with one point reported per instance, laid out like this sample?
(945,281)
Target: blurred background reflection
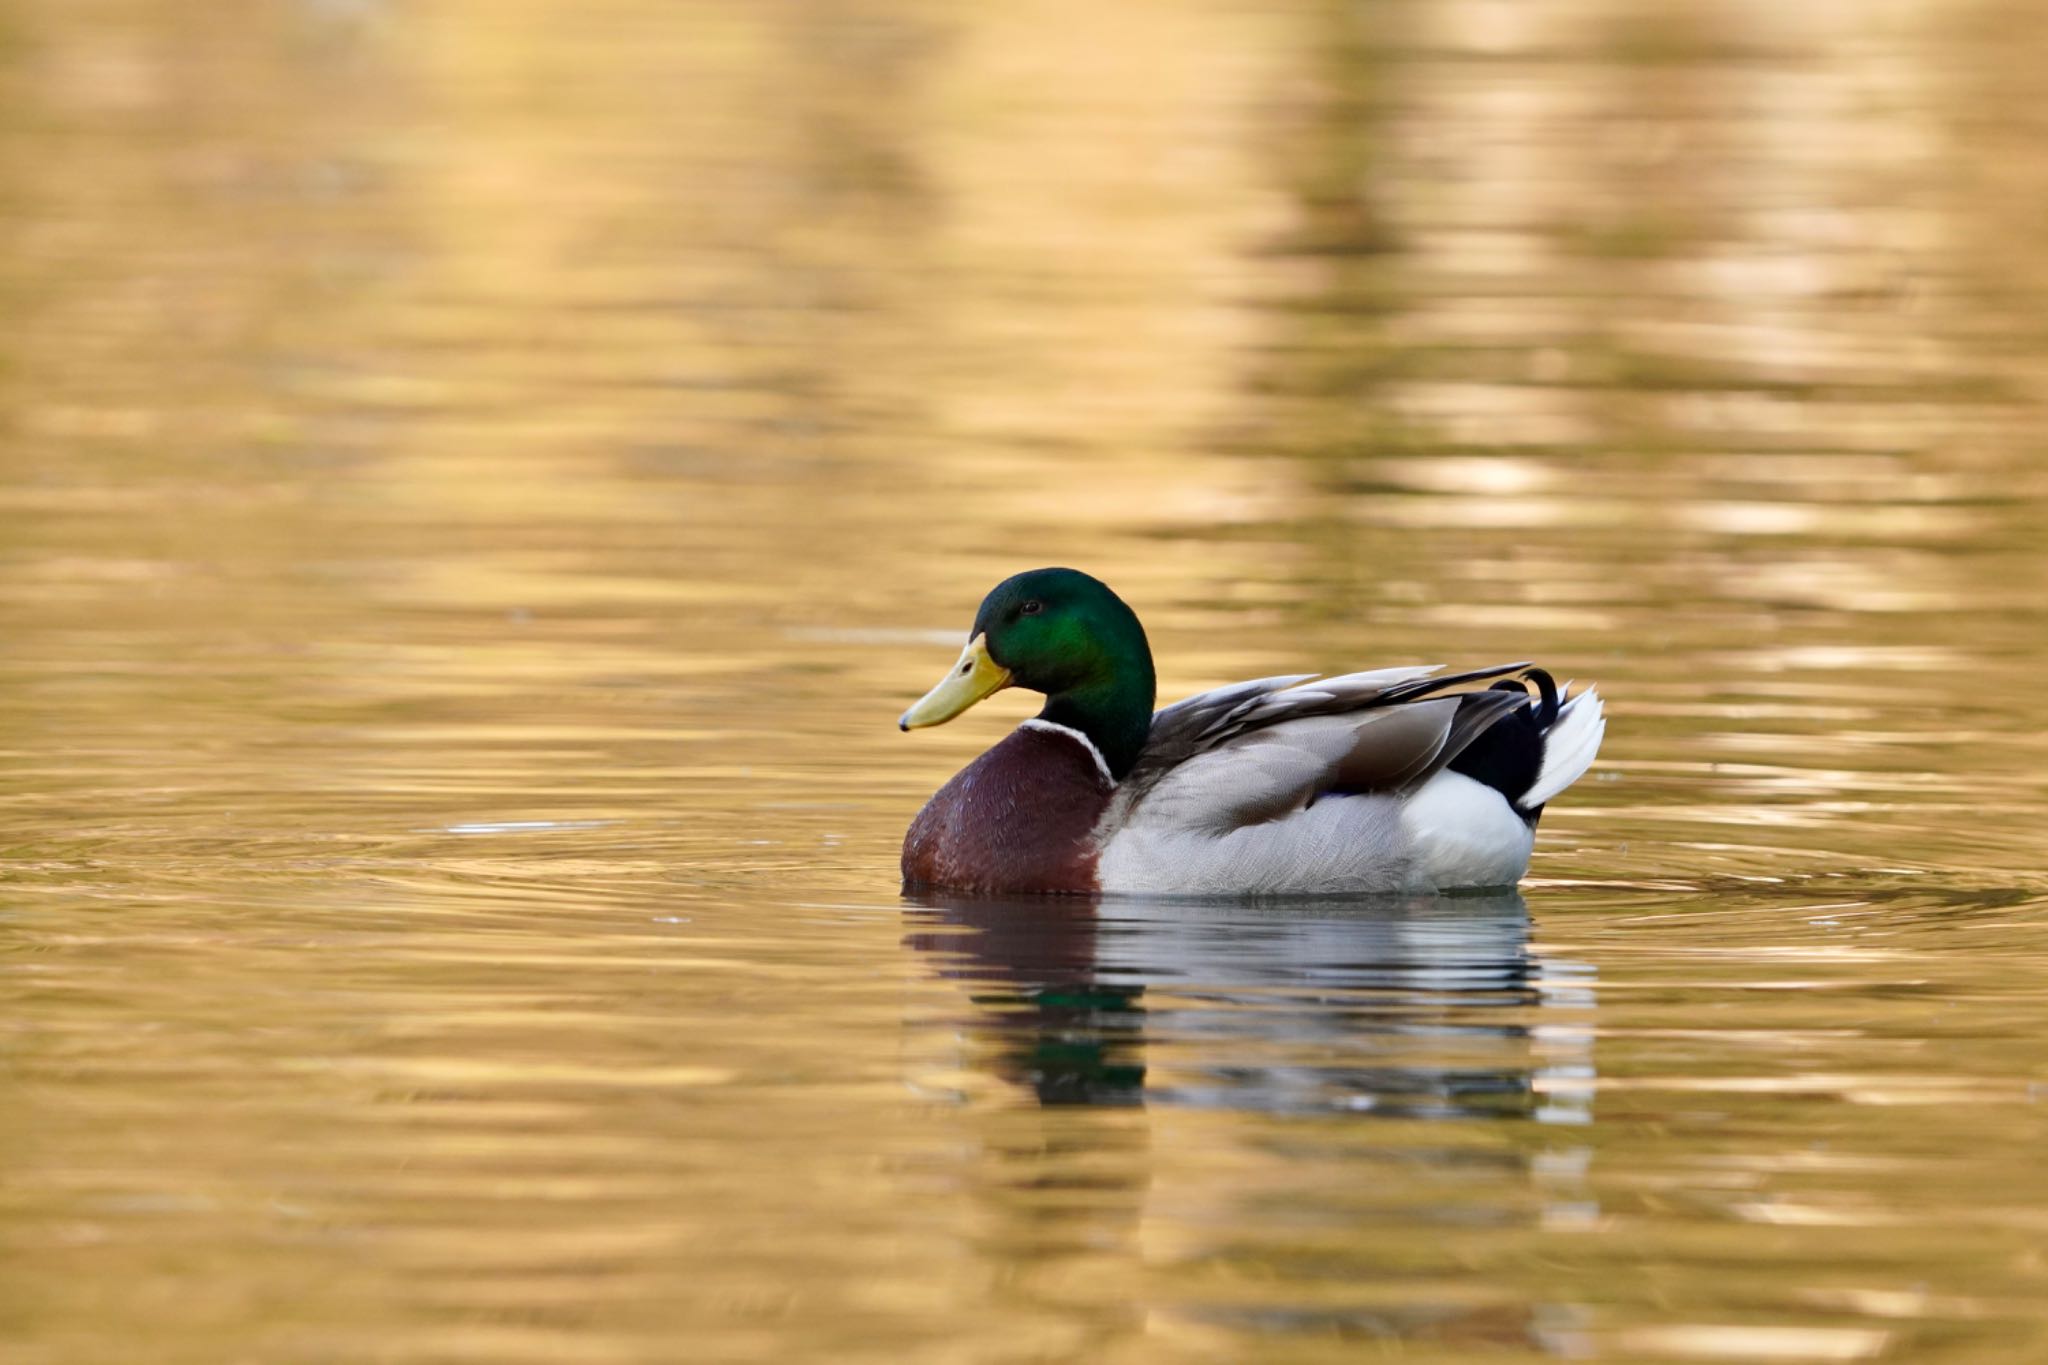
(481,478)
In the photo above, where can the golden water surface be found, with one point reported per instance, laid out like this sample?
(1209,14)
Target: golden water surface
(481,478)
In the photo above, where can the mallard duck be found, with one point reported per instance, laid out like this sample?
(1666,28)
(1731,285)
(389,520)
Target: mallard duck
(1397,780)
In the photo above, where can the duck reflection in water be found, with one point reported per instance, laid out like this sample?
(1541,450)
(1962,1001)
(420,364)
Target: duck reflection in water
(1414,1007)
(1113,1014)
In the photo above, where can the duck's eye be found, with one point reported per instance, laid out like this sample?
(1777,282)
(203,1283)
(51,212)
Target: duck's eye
(1031,608)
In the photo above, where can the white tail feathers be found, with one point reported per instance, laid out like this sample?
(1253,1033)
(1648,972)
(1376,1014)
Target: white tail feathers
(1568,748)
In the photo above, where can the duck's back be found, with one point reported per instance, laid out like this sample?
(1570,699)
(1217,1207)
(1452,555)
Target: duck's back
(1367,783)
(1020,818)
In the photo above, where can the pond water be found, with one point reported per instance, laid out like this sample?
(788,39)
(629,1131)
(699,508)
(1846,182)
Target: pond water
(482,477)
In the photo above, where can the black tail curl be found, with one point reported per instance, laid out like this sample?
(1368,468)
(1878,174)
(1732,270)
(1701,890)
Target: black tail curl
(1546,694)
(1509,754)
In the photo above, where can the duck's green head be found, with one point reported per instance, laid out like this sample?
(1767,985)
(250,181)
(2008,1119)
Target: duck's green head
(1063,633)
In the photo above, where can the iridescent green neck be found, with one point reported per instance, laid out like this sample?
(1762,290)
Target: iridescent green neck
(1115,713)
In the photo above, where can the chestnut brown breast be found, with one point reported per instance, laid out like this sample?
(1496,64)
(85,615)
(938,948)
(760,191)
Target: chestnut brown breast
(1018,818)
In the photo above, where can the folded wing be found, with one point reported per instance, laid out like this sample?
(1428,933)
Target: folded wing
(1257,751)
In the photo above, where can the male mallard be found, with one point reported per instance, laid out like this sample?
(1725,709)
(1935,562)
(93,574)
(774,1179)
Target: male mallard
(1370,782)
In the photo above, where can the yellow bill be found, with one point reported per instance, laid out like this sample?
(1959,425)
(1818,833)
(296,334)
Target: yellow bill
(974,677)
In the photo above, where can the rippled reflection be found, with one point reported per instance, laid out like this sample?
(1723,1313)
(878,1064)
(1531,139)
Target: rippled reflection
(1390,1017)
(1430,1008)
